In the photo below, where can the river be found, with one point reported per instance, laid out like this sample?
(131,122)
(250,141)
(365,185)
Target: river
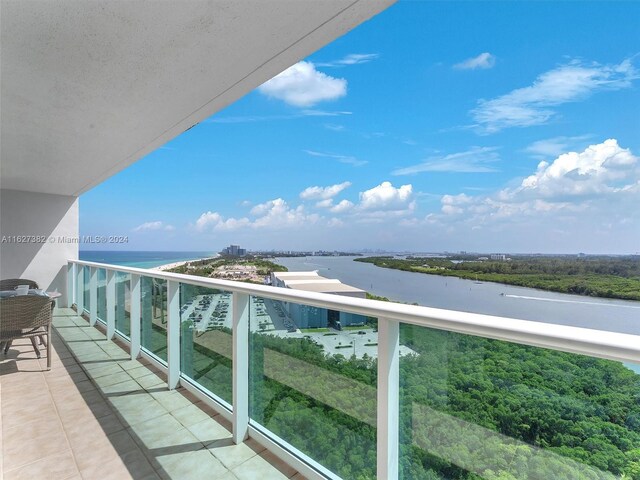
(484,297)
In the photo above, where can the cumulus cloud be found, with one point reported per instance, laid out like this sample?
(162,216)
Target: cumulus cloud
(483,61)
(385,197)
(601,168)
(325,203)
(271,214)
(342,206)
(301,85)
(154,226)
(208,219)
(599,181)
(474,160)
(533,105)
(351,59)
(323,193)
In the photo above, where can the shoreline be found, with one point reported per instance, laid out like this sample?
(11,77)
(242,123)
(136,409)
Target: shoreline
(169,266)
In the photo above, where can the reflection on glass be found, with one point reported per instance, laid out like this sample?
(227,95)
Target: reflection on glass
(85,287)
(153,309)
(313,382)
(206,340)
(123,303)
(477,408)
(102,295)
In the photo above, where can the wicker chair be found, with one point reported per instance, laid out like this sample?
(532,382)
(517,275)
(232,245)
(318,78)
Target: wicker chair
(12,283)
(25,316)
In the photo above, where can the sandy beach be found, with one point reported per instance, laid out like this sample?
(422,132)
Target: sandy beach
(169,266)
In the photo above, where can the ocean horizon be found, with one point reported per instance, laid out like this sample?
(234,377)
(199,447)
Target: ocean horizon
(140,258)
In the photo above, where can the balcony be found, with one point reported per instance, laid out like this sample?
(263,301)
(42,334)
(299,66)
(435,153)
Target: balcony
(231,393)
(99,414)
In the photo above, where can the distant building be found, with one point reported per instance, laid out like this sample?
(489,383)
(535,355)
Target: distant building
(234,251)
(498,256)
(305,316)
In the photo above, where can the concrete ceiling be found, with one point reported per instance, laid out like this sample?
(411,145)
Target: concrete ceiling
(89,87)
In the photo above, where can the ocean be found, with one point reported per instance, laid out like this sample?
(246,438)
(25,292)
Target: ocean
(140,259)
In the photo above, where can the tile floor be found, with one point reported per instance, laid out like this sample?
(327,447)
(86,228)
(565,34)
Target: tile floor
(99,415)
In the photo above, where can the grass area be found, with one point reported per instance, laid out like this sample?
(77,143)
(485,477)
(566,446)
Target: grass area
(314,330)
(344,346)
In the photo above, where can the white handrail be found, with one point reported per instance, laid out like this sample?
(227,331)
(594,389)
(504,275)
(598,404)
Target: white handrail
(596,343)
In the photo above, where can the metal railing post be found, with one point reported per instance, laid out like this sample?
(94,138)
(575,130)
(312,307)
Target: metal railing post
(388,398)
(111,304)
(240,319)
(135,316)
(173,333)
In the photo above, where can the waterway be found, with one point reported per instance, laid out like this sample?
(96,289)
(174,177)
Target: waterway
(483,297)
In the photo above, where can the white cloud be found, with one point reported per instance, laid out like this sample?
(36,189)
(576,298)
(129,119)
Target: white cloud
(474,160)
(599,183)
(207,219)
(385,197)
(351,59)
(452,204)
(484,61)
(602,168)
(231,224)
(154,226)
(325,203)
(273,214)
(271,118)
(532,105)
(552,147)
(301,85)
(342,206)
(349,160)
(323,193)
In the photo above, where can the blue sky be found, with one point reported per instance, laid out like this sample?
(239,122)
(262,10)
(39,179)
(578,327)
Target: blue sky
(479,126)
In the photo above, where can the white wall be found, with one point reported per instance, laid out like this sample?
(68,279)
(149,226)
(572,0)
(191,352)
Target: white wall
(53,217)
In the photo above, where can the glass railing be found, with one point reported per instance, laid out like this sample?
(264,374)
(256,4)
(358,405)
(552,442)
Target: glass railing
(154,317)
(473,407)
(205,339)
(308,388)
(360,389)
(101,295)
(123,303)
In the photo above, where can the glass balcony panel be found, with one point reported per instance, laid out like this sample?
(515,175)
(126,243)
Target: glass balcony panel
(85,287)
(206,339)
(153,310)
(123,303)
(313,385)
(102,295)
(476,408)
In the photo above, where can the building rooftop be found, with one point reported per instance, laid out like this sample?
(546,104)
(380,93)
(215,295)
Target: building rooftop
(99,414)
(312,282)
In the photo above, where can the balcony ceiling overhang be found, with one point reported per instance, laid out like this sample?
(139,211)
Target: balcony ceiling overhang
(89,87)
